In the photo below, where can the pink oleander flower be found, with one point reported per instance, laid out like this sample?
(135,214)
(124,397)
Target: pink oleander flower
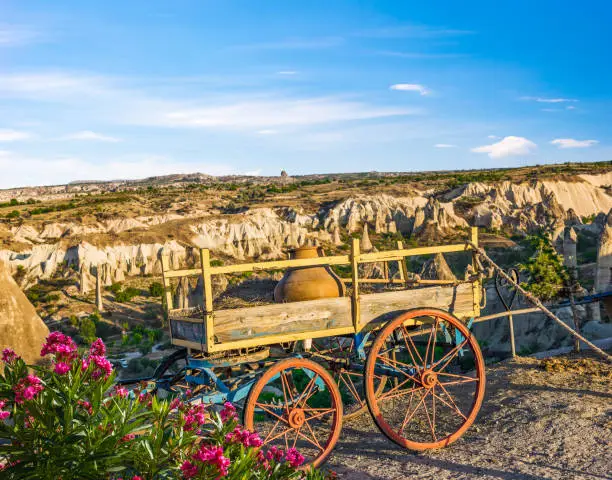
(61,368)
(245,437)
(136,477)
(27,388)
(275,453)
(294,458)
(62,346)
(176,403)
(4,414)
(86,405)
(98,348)
(213,455)
(189,469)
(101,366)
(9,356)
(228,412)
(121,392)
(127,438)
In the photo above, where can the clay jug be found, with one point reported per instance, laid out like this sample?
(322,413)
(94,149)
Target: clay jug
(308,283)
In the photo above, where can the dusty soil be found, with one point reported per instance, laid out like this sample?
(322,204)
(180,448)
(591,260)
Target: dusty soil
(548,419)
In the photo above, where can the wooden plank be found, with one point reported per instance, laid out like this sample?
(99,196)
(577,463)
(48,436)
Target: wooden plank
(192,272)
(281,319)
(381,307)
(281,264)
(280,338)
(410,252)
(355,307)
(208,295)
(165,262)
(401,282)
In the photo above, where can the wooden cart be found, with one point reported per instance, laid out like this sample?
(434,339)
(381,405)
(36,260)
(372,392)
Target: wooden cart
(297,369)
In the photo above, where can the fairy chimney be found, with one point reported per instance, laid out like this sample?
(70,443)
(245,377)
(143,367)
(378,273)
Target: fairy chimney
(366,244)
(20,326)
(336,239)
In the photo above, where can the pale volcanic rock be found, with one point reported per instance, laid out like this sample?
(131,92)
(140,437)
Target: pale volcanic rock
(20,326)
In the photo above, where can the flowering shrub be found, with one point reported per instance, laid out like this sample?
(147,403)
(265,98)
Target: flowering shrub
(67,420)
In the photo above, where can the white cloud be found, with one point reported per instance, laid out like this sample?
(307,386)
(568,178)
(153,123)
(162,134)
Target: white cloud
(508,146)
(14,35)
(267,132)
(549,100)
(9,135)
(493,137)
(287,72)
(410,87)
(89,135)
(60,170)
(266,113)
(444,145)
(572,143)
(570,107)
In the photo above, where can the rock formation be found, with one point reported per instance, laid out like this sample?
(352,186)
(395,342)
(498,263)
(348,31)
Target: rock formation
(20,326)
(437,268)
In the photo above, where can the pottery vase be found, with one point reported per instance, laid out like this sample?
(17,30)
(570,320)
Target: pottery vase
(308,283)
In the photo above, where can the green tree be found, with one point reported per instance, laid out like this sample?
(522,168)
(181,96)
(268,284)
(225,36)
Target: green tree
(547,274)
(156,289)
(88,329)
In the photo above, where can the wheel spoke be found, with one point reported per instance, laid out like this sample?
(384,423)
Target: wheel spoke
(302,401)
(407,418)
(432,335)
(407,338)
(314,440)
(449,356)
(351,388)
(286,392)
(431,425)
(394,389)
(390,364)
(454,405)
(271,431)
(265,408)
(319,414)
(277,436)
(400,394)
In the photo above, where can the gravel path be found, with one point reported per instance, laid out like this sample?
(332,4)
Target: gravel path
(540,420)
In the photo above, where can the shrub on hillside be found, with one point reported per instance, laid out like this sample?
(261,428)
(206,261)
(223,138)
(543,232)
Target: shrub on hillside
(68,420)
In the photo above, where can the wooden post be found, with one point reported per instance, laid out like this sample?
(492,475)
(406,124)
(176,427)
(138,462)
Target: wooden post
(476,286)
(355,277)
(512,344)
(401,264)
(208,298)
(165,263)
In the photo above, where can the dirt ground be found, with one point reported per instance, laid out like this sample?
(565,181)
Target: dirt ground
(547,419)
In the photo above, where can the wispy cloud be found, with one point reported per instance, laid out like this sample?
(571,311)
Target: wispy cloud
(9,135)
(268,131)
(507,147)
(410,87)
(418,55)
(54,170)
(573,143)
(88,135)
(293,44)
(444,145)
(412,31)
(16,35)
(549,100)
(287,72)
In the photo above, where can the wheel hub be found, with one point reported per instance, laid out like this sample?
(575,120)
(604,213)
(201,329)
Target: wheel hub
(429,378)
(296,418)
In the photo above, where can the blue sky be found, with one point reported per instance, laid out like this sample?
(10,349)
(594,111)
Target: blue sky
(116,89)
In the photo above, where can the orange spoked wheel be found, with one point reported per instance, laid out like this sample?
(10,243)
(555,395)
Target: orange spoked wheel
(347,368)
(296,404)
(434,383)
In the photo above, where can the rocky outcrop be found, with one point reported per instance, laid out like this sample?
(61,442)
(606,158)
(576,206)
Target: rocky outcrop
(20,326)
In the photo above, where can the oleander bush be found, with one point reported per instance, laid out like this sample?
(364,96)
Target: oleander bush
(69,420)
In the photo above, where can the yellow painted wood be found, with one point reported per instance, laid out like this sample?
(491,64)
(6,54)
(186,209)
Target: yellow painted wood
(280,264)
(191,272)
(410,252)
(401,264)
(398,281)
(208,297)
(165,262)
(355,306)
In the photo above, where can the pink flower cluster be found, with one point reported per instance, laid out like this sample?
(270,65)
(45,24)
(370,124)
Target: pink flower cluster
(64,349)
(208,454)
(9,356)
(228,413)
(101,365)
(4,414)
(195,416)
(293,457)
(245,437)
(121,392)
(86,406)
(27,388)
